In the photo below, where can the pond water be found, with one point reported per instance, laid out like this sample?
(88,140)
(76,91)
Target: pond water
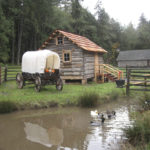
(63,129)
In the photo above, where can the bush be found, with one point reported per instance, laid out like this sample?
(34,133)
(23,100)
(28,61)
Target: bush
(7,106)
(139,133)
(114,95)
(144,101)
(88,99)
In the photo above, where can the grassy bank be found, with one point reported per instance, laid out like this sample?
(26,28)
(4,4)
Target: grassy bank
(49,96)
(139,134)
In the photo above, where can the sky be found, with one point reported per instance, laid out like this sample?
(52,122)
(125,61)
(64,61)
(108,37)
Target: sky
(123,11)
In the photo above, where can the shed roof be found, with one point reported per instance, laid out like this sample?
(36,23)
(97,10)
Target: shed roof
(134,55)
(80,41)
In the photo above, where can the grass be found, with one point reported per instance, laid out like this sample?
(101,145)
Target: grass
(49,96)
(139,134)
(88,99)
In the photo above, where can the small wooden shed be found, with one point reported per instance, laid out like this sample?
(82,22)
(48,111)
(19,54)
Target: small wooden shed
(79,56)
(140,58)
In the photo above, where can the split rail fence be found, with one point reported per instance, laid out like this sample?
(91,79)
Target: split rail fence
(8,73)
(138,79)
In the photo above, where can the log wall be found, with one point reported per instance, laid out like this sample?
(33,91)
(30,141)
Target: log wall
(82,65)
(74,69)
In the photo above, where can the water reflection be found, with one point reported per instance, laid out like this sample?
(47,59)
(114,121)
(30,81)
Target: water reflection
(109,135)
(62,130)
(38,134)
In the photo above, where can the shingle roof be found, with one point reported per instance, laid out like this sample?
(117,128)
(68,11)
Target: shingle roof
(134,55)
(80,41)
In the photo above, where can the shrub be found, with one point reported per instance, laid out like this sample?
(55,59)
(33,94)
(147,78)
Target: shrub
(7,106)
(88,99)
(139,133)
(114,95)
(144,101)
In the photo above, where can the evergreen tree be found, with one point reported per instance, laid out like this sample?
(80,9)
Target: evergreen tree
(4,40)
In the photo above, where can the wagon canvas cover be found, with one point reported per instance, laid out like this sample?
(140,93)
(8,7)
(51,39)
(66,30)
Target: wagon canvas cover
(38,61)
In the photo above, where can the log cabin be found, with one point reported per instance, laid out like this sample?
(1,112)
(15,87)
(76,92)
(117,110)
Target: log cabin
(79,55)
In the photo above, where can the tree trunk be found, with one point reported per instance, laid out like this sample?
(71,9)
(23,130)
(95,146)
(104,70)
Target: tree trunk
(35,46)
(13,49)
(19,40)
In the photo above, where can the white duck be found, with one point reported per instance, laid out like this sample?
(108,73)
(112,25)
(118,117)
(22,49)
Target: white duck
(94,113)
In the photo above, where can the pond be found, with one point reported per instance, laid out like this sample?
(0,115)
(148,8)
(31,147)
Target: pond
(63,129)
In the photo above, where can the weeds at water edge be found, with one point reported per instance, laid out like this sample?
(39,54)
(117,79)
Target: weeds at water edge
(7,106)
(88,99)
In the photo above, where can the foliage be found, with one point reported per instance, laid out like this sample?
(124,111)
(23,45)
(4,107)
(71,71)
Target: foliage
(4,40)
(7,106)
(29,98)
(144,101)
(139,133)
(88,99)
(25,25)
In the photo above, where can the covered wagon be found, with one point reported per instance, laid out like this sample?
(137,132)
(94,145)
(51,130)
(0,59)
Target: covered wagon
(40,68)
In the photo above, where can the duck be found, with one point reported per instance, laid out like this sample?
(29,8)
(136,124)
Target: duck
(98,123)
(94,113)
(111,114)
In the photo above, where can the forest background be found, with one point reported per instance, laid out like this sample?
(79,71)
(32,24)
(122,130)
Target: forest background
(26,24)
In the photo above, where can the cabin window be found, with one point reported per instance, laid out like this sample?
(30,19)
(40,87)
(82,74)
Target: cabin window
(59,40)
(66,56)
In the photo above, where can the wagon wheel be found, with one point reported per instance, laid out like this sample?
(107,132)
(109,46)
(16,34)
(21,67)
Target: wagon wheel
(38,84)
(59,84)
(19,80)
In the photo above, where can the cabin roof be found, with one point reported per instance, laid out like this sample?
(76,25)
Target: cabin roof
(80,41)
(134,55)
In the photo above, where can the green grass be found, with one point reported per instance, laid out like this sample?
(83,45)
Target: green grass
(49,96)
(88,99)
(139,134)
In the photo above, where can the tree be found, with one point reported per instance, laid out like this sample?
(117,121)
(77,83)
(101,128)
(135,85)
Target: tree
(4,41)
(143,33)
(129,38)
(77,16)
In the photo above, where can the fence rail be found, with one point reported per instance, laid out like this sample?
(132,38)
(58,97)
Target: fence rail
(8,73)
(138,79)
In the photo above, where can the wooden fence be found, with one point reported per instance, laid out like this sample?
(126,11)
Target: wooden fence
(138,79)
(8,73)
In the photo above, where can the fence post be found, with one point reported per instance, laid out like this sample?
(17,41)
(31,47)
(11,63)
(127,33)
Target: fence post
(0,74)
(128,82)
(5,75)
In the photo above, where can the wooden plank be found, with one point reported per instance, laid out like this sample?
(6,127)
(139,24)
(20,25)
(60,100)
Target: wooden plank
(139,85)
(72,73)
(148,72)
(140,89)
(142,76)
(71,77)
(139,81)
(13,71)
(8,78)
(135,83)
